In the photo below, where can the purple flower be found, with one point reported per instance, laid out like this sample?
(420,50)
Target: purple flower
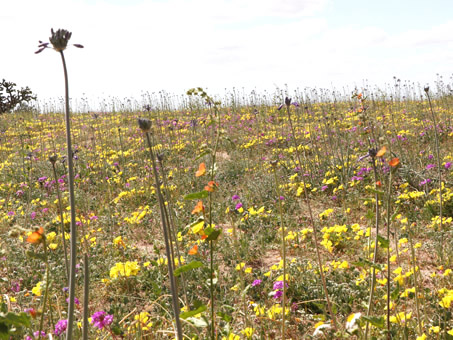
(33,215)
(448,165)
(36,334)
(60,327)
(279,285)
(76,301)
(280,107)
(235,197)
(278,294)
(101,319)
(281,198)
(324,187)
(238,206)
(256,283)
(42,179)
(430,156)
(430,166)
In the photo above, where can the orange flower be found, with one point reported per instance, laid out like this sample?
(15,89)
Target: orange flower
(381,152)
(378,183)
(194,250)
(36,236)
(394,162)
(201,170)
(359,96)
(211,186)
(198,208)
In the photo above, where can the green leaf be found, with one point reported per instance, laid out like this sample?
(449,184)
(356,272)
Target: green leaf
(213,234)
(375,321)
(365,263)
(34,255)
(196,195)
(187,267)
(374,191)
(204,153)
(198,322)
(225,317)
(188,314)
(384,242)
(396,292)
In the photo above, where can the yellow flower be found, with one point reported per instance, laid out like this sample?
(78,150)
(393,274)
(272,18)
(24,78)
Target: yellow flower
(421,337)
(248,332)
(37,289)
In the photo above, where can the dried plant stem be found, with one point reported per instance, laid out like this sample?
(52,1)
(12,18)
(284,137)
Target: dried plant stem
(165,228)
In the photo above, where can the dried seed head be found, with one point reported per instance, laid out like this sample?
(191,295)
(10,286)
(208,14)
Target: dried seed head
(426,89)
(144,124)
(53,159)
(59,39)
(288,101)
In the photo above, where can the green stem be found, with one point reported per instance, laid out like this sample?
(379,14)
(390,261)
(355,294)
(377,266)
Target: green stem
(283,253)
(373,270)
(170,260)
(46,293)
(312,221)
(439,170)
(73,256)
(60,209)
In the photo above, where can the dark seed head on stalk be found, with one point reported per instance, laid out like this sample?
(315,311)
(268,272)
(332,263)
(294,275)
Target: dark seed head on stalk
(59,41)
(426,89)
(53,159)
(144,124)
(372,153)
(288,101)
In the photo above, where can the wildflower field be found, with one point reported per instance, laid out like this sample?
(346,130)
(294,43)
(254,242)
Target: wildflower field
(318,218)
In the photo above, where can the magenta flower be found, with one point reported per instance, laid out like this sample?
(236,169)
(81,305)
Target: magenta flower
(256,283)
(235,197)
(101,319)
(430,166)
(60,327)
(448,165)
(238,206)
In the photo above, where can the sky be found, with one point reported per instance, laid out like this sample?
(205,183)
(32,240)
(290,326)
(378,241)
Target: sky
(137,46)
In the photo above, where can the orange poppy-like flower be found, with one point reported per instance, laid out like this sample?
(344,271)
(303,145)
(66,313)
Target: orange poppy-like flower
(36,236)
(211,186)
(198,208)
(378,183)
(382,151)
(394,162)
(201,170)
(359,96)
(194,250)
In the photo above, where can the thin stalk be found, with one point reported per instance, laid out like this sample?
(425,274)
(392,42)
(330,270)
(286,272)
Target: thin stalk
(46,293)
(373,270)
(414,268)
(389,222)
(86,295)
(312,222)
(280,208)
(439,170)
(60,210)
(170,262)
(73,251)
